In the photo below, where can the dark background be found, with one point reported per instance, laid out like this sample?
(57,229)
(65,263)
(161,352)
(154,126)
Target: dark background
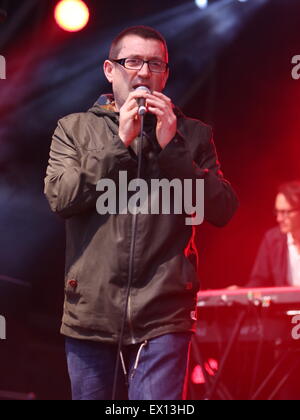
(230,67)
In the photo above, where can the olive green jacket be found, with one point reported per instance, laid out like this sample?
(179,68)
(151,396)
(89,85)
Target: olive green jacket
(86,148)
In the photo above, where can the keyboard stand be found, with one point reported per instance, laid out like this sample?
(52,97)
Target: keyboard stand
(235,333)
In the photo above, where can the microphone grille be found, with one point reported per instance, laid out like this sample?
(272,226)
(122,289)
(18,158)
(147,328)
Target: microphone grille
(143,88)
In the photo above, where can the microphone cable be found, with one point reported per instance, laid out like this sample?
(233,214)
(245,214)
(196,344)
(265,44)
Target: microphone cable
(131,266)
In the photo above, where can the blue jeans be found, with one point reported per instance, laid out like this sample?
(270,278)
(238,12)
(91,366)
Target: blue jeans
(159,375)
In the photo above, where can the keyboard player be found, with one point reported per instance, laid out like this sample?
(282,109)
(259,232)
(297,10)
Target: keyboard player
(278,260)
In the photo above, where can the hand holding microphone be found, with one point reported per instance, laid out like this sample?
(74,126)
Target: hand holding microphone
(130,114)
(157,104)
(142,101)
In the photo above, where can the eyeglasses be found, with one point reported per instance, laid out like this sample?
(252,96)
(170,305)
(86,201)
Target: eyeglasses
(285,213)
(155,66)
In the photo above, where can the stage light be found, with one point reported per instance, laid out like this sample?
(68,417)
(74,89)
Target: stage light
(72,15)
(202,4)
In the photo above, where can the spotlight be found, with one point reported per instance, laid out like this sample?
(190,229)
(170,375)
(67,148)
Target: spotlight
(202,4)
(71,15)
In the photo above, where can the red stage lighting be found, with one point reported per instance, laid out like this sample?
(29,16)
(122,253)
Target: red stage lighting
(71,15)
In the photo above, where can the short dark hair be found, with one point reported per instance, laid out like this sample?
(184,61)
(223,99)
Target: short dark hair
(145,32)
(291,191)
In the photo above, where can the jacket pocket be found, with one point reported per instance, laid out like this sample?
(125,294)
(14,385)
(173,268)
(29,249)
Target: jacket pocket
(72,280)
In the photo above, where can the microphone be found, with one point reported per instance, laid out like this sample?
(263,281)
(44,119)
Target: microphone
(142,101)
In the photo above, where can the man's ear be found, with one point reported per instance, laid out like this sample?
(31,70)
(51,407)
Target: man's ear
(108,69)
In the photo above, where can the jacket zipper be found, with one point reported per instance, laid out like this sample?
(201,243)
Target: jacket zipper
(134,226)
(129,311)
(129,319)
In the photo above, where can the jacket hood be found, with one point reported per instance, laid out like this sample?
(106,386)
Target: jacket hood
(105,105)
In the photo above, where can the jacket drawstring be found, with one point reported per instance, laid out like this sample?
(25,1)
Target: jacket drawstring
(136,363)
(123,364)
(144,344)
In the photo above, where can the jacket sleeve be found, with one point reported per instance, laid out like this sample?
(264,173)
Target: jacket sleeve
(72,174)
(200,161)
(261,275)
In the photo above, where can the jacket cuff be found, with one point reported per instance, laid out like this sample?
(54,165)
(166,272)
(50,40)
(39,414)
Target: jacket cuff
(121,152)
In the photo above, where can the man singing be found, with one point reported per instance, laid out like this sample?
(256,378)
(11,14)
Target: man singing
(99,144)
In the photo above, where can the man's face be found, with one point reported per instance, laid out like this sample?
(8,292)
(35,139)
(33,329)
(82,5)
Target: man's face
(287,216)
(124,80)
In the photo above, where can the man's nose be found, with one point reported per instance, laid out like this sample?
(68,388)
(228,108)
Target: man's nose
(145,71)
(279,217)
